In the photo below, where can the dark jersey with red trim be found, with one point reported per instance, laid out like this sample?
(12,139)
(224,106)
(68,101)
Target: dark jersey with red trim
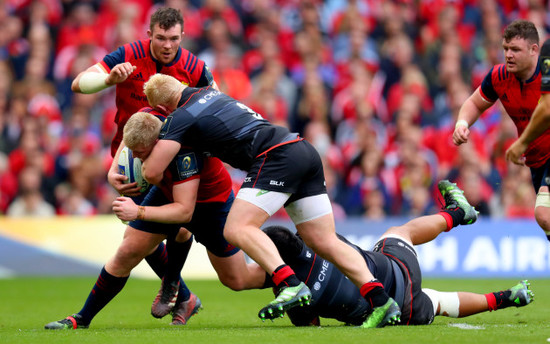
(519,99)
(186,67)
(333,294)
(218,125)
(544,63)
(215,182)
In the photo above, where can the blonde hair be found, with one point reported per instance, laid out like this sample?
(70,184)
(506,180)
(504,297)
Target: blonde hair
(143,129)
(162,89)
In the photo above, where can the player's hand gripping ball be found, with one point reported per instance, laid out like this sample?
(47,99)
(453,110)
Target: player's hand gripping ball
(131,167)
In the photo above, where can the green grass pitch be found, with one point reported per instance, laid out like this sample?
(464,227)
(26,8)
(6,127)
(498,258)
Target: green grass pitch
(26,304)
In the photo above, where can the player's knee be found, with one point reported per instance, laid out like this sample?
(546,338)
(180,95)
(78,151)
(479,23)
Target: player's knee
(235,283)
(444,303)
(542,212)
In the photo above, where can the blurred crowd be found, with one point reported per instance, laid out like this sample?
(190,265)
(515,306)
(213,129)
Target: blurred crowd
(375,85)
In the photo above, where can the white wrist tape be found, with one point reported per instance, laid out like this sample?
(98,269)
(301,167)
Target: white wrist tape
(461,123)
(91,82)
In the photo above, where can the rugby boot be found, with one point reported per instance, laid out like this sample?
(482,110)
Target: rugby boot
(387,314)
(166,299)
(454,197)
(185,310)
(287,298)
(520,294)
(72,322)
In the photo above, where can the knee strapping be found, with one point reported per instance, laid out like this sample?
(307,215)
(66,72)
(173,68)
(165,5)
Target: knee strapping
(543,200)
(449,303)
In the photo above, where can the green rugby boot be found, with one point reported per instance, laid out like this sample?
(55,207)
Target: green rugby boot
(454,197)
(388,314)
(72,322)
(520,294)
(287,298)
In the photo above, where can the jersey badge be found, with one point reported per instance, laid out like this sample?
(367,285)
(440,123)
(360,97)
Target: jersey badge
(187,165)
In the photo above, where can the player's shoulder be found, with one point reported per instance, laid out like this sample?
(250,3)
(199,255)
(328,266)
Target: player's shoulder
(155,112)
(136,50)
(499,72)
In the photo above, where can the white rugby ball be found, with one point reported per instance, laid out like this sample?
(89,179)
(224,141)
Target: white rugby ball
(131,167)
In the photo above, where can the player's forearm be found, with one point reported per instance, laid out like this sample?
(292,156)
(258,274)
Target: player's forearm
(169,213)
(540,121)
(91,80)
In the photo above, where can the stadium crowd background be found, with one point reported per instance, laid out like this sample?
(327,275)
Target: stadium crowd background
(375,85)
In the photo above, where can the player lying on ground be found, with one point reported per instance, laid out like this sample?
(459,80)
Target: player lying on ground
(196,193)
(394,262)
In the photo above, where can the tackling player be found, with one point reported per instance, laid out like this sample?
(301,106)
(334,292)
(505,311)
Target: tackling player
(283,170)
(396,265)
(517,83)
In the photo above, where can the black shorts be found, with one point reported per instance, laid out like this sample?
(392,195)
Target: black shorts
(417,308)
(294,168)
(540,177)
(206,224)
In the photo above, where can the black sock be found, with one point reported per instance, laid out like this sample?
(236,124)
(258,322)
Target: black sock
(374,293)
(456,214)
(503,299)
(105,289)
(158,261)
(177,255)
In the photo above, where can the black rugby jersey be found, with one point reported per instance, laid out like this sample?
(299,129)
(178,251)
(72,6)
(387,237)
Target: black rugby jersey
(218,125)
(333,294)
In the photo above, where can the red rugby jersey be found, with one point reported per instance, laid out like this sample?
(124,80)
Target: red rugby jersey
(215,182)
(186,67)
(519,99)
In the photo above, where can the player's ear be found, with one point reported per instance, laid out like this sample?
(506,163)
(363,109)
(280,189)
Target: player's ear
(149,33)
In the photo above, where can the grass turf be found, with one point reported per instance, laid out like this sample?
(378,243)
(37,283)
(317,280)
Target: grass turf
(27,304)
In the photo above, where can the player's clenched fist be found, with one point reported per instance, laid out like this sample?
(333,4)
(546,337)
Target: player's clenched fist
(461,133)
(120,73)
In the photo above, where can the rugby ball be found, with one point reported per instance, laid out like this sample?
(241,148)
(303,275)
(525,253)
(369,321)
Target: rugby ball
(131,167)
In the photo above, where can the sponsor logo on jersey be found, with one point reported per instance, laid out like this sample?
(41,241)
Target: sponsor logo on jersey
(504,98)
(138,77)
(138,97)
(210,95)
(276,183)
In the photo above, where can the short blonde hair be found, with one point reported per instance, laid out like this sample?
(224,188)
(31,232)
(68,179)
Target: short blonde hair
(162,89)
(143,129)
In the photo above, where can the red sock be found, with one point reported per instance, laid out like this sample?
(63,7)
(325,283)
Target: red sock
(281,274)
(374,293)
(448,218)
(491,302)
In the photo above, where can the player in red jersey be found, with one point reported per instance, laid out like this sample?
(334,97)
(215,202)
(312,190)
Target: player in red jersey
(128,68)
(517,83)
(535,130)
(195,192)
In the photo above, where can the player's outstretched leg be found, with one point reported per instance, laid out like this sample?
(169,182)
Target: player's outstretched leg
(72,322)
(454,198)
(185,310)
(166,299)
(287,298)
(387,314)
